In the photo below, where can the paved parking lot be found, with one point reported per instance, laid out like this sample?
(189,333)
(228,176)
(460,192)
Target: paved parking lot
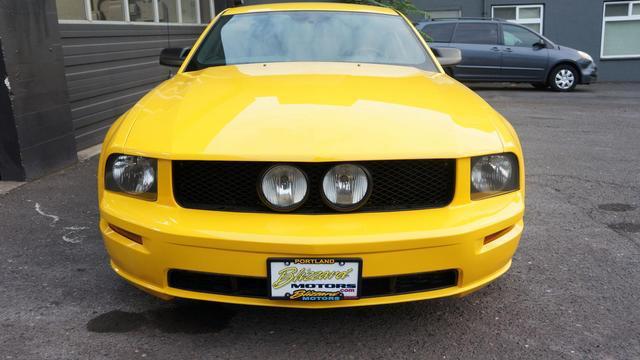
(573,291)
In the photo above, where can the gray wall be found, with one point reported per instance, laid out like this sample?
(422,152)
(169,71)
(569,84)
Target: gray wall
(10,160)
(36,132)
(110,67)
(468,7)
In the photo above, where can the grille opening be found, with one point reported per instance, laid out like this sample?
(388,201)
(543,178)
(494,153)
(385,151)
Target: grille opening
(218,284)
(259,286)
(232,186)
(403,284)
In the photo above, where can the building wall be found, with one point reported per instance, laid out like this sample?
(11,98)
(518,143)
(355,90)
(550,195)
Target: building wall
(109,67)
(573,23)
(468,7)
(10,160)
(36,136)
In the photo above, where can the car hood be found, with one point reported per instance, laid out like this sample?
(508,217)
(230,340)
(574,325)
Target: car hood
(312,112)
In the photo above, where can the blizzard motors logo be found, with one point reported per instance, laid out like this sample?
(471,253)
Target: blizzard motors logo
(311,295)
(292,275)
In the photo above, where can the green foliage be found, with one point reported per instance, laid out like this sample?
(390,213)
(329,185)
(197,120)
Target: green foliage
(406,7)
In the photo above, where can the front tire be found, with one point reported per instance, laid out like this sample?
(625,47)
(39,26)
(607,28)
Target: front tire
(563,78)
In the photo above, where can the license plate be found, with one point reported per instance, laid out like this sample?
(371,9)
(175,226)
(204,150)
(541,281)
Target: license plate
(314,279)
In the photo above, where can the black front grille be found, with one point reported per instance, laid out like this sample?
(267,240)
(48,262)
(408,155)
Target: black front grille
(259,286)
(233,186)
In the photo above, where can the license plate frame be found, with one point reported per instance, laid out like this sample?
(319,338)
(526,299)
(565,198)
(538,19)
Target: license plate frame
(320,264)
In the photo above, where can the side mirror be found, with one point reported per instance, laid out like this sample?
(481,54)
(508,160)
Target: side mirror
(447,56)
(173,56)
(540,45)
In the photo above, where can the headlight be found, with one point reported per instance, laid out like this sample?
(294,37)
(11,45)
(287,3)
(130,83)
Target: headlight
(283,187)
(135,175)
(346,187)
(493,175)
(584,55)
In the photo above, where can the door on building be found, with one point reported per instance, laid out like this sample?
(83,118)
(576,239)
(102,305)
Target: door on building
(524,55)
(481,52)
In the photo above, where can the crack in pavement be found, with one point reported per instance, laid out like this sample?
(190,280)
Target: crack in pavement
(54,218)
(72,233)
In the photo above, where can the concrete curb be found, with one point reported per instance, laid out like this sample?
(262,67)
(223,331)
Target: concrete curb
(6,186)
(88,153)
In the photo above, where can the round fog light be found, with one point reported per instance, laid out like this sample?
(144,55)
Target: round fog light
(283,187)
(346,187)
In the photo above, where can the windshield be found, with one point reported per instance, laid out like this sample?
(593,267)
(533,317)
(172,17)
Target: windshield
(328,36)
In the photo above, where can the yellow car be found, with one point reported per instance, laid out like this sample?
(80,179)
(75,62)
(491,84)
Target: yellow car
(310,155)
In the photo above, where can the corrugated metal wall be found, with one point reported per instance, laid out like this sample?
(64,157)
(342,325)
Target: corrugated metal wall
(109,67)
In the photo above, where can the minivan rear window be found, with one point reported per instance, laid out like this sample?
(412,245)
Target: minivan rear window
(476,33)
(439,32)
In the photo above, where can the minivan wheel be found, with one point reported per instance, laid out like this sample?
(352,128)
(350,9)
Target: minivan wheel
(540,86)
(563,78)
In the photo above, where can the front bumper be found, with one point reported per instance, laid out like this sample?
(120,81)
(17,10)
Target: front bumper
(588,72)
(391,243)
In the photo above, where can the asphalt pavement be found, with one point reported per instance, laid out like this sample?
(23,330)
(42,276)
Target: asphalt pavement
(573,291)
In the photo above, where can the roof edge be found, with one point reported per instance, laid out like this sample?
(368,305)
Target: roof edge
(311,6)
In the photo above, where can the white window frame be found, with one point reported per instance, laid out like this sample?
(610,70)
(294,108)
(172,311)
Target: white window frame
(523,21)
(180,20)
(606,19)
(127,17)
(212,9)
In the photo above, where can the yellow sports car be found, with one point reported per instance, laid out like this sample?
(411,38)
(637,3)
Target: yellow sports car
(311,155)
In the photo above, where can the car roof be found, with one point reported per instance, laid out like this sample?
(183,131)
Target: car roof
(462,19)
(318,6)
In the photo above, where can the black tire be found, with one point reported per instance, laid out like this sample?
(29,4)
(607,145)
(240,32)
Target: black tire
(563,78)
(540,86)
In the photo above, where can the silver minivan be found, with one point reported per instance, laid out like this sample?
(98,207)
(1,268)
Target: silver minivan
(501,51)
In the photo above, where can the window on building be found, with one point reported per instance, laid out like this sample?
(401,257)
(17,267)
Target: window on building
(616,9)
(207,10)
(189,11)
(71,9)
(438,32)
(126,11)
(444,14)
(530,16)
(476,33)
(142,10)
(621,30)
(519,37)
(168,11)
(107,10)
